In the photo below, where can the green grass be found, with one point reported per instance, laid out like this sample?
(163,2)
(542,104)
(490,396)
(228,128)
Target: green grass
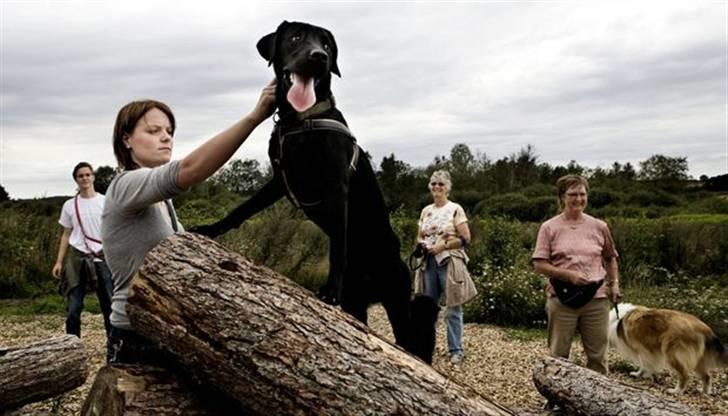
(705,299)
(525,334)
(700,218)
(44,305)
(624,367)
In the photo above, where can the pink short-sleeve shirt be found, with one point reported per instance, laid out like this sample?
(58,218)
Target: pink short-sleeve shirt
(581,247)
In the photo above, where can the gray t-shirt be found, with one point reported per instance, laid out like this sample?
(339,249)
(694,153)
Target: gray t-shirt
(134,220)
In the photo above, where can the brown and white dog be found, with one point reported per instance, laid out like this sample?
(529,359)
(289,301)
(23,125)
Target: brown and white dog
(663,338)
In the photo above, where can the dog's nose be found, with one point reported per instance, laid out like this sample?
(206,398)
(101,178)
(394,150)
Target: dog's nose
(319,55)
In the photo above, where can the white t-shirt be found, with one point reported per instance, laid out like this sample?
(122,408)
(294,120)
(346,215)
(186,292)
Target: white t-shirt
(90,210)
(440,223)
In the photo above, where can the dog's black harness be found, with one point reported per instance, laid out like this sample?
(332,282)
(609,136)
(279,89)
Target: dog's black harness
(306,126)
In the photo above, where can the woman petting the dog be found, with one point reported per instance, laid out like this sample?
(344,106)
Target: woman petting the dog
(139,214)
(577,253)
(443,232)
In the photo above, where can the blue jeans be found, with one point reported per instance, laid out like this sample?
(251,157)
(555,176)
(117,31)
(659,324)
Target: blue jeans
(104,289)
(435,279)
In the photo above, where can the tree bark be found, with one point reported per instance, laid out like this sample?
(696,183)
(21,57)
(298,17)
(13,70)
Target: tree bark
(585,392)
(142,390)
(40,370)
(273,347)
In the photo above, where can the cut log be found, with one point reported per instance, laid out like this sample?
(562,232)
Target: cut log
(273,347)
(581,391)
(40,370)
(142,390)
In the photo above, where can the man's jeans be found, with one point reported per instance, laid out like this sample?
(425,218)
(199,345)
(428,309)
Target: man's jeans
(435,277)
(104,289)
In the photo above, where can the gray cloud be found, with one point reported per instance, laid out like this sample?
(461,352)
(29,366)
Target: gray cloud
(597,83)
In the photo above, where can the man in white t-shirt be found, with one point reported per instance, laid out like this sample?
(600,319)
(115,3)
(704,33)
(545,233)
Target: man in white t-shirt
(84,267)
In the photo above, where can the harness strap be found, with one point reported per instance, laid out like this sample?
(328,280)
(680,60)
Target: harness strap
(320,107)
(307,126)
(85,236)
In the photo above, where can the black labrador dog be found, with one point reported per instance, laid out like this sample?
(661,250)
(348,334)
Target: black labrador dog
(319,167)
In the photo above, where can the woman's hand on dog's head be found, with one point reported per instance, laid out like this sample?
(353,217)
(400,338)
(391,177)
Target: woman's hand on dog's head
(266,104)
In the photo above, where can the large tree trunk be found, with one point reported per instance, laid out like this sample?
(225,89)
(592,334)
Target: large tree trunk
(585,392)
(272,346)
(143,390)
(40,370)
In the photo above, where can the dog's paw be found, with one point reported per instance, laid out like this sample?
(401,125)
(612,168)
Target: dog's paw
(641,373)
(330,294)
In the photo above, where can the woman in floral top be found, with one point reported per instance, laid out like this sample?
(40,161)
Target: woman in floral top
(444,233)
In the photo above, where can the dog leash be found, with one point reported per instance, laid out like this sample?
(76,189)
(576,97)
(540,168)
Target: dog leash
(616,309)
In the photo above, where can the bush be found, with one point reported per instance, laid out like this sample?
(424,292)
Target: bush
(540,189)
(509,291)
(405,227)
(499,243)
(282,239)
(602,198)
(467,198)
(655,197)
(29,243)
(519,207)
(703,297)
(508,296)
(650,248)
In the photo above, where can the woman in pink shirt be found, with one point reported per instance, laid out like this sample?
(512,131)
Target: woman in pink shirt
(577,248)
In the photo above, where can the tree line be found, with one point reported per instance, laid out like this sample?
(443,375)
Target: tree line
(518,186)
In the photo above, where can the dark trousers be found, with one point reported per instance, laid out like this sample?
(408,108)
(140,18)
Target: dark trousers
(104,289)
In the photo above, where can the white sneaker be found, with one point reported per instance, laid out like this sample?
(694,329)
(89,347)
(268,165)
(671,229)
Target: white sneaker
(457,357)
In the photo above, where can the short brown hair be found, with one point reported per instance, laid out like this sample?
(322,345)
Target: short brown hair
(81,165)
(567,181)
(126,121)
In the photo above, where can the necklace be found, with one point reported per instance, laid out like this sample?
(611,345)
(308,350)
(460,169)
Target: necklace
(574,224)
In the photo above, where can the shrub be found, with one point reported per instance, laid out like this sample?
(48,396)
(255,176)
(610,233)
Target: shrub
(467,198)
(519,207)
(601,198)
(497,242)
(282,239)
(656,197)
(701,296)
(29,243)
(540,189)
(508,296)
(404,226)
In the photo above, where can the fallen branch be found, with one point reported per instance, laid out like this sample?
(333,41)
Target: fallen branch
(273,347)
(40,370)
(581,391)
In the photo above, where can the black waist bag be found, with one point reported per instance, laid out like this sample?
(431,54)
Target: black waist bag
(572,295)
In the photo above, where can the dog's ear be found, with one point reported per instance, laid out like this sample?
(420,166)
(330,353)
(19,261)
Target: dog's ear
(267,47)
(334,54)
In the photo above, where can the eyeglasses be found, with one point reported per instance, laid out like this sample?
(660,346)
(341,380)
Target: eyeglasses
(437,183)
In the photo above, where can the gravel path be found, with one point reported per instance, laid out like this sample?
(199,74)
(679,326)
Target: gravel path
(498,363)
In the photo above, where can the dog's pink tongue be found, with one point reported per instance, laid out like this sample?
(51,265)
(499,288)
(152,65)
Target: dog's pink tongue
(301,95)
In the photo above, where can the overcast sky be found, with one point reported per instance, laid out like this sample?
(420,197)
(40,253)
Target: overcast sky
(595,82)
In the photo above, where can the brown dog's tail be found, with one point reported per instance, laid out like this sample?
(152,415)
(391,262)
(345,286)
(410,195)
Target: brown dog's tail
(714,347)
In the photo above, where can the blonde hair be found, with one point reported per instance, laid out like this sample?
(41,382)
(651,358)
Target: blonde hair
(441,176)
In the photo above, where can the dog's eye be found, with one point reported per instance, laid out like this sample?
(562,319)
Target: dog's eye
(326,46)
(295,38)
